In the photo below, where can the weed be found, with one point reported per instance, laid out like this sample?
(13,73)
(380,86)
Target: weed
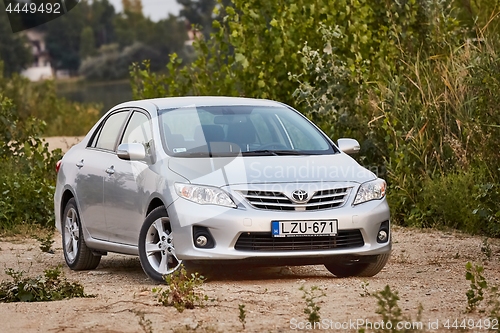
(486,249)
(364,287)
(311,297)
(46,242)
(52,286)
(242,314)
(478,284)
(146,324)
(479,291)
(198,328)
(181,292)
(391,312)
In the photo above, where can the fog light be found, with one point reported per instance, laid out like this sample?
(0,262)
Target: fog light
(202,238)
(382,236)
(201,241)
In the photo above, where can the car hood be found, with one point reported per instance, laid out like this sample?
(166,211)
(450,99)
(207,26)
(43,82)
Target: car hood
(221,171)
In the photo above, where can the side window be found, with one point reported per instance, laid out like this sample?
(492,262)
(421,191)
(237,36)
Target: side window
(138,130)
(110,130)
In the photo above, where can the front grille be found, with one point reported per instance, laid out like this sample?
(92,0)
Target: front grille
(265,242)
(325,199)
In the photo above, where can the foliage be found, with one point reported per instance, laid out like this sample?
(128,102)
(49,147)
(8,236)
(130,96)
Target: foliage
(14,52)
(415,82)
(112,64)
(46,241)
(486,249)
(242,314)
(312,308)
(488,208)
(74,39)
(39,100)
(390,311)
(198,13)
(478,284)
(137,38)
(145,324)
(28,177)
(280,29)
(364,287)
(428,117)
(87,43)
(480,291)
(52,286)
(181,291)
(27,180)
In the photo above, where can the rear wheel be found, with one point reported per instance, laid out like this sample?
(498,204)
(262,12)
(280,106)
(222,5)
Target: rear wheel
(358,269)
(76,253)
(156,245)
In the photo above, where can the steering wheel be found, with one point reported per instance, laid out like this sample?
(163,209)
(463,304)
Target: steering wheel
(273,145)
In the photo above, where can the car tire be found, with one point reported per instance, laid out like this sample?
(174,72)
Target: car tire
(360,270)
(156,245)
(76,253)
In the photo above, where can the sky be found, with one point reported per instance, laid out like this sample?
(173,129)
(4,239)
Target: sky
(154,9)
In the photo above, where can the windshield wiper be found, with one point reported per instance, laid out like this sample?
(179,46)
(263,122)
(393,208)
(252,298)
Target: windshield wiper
(273,152)
(192,154)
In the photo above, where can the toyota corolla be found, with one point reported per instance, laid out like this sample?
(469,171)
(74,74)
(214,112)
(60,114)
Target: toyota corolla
(219,179)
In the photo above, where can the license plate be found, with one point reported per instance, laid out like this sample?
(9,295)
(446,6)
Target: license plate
(304,228)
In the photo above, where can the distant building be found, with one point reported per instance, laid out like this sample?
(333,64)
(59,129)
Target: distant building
(40,69)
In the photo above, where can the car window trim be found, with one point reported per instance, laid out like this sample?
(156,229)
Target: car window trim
(98,131)
(127,121)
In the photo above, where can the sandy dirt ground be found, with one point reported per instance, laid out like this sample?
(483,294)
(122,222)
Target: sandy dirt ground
(62,142)
(426,267)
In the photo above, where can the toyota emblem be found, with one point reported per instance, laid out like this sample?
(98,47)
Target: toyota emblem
(300,196)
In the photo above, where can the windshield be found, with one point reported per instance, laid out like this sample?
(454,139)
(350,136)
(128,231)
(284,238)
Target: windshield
(229,130)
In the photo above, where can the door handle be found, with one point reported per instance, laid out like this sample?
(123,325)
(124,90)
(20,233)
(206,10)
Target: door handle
(80,164)
(110,170)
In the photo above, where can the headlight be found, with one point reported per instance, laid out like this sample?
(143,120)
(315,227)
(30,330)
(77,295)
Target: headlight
(371,190)
(204,195)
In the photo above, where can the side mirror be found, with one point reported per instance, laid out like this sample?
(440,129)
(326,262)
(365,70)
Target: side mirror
(131,151)
(348,146)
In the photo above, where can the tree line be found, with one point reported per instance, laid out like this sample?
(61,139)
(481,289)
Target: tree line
(95,41)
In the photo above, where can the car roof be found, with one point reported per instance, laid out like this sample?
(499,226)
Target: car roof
(178,102)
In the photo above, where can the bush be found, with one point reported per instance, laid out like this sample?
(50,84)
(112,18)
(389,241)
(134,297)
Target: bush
(52,286)
(28,171)
(431,122)
(182,291)
(411,81)
(444,202)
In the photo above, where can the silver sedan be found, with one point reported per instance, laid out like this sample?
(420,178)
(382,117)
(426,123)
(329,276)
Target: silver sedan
(219,179)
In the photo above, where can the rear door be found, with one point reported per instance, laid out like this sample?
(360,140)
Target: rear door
(93,166)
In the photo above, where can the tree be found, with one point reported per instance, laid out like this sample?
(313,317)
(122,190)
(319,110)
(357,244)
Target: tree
(14,49)
(63,39)
(87,43)
(64,33)
(258,43)
(198,13)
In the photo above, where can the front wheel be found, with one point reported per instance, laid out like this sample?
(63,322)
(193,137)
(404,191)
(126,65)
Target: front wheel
(76,253)
(156,245)
(358,269)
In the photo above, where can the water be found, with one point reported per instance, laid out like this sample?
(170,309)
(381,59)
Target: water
(108,94)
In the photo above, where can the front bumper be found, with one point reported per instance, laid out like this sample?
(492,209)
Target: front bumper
(226,225)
